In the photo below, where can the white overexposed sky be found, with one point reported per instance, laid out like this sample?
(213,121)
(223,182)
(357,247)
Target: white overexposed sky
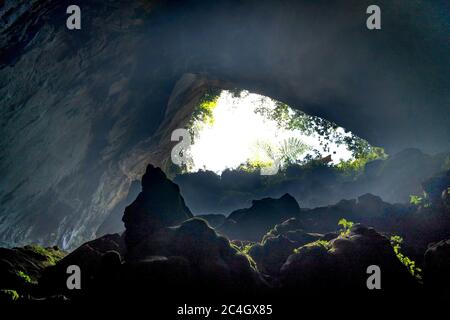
(234,136)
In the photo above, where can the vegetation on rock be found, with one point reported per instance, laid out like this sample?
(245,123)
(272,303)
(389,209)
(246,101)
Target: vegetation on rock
(396,242)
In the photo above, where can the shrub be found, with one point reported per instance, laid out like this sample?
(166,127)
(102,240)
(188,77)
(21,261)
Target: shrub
(10,295)
(419,200)
(346,226)
(25,277)
(51,255)
(416,272)
(319,243)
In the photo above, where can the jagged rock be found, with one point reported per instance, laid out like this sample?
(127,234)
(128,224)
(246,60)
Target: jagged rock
(437,269)
(252,223)
(342,263)
(159,205)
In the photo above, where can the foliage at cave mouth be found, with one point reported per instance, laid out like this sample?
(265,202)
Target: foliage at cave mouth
(237,129)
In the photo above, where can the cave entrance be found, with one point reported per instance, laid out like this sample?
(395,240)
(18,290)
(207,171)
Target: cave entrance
(236,133)
(241,130)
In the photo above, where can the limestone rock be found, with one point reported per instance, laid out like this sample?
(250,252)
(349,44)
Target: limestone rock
(158,205)
(252,223)
(272,254)
(342,264)
(89,258)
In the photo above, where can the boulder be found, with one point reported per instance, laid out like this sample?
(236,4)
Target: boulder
(91,258)
(371,205)
(272,253)
(341,265)
(195,255)
(254,222)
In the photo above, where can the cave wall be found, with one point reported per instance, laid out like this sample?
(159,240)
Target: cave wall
(82,112)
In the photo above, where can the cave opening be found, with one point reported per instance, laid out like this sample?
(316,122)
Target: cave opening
(239,129)
(237,135)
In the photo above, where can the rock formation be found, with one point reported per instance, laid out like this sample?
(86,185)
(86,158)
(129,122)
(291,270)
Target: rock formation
(83,112)
(159,205)
(342,264)
(252,223)
(437,269)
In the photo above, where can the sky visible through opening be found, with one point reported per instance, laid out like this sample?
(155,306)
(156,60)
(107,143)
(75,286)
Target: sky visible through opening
(237,133)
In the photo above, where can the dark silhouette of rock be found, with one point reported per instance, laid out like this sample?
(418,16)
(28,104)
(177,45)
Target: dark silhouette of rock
(435,186)
(252,223)
(158,205)
(272,254)
(437,269)
(373,206)
(21,268)
(90,257)
(176,259)
(213,256)
(342,264)
(292,229)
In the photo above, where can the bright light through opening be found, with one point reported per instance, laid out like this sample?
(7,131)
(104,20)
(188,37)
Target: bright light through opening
(238,131)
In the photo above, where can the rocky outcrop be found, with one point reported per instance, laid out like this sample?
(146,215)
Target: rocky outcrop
(437,188)
(437,269)
(254,222)
(21,268)
(342,263)
(292,229)
(81,111)
(95,259)
(171,261)
(159,205)
(393,179)
(272,254)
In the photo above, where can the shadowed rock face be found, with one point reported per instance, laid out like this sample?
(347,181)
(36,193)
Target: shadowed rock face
(159,205)
(342,264)
(252,223)
(436,268)
(83,112)
(21,268)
